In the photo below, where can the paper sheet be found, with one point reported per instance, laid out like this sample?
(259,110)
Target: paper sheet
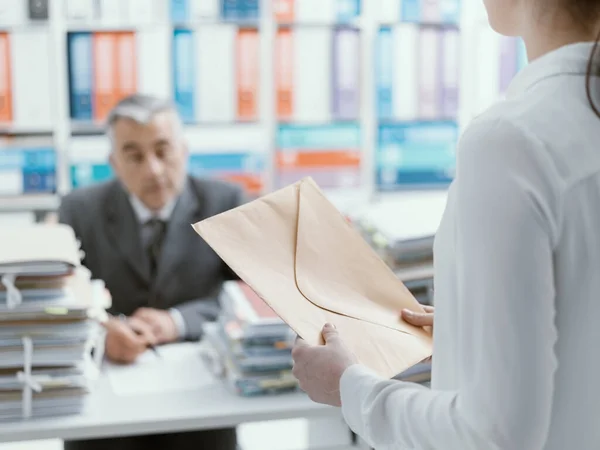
(178,367)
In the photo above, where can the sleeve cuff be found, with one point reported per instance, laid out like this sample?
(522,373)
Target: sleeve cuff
(179,322)
(356,382)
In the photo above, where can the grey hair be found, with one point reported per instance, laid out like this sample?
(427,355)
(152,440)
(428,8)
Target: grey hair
(141,108)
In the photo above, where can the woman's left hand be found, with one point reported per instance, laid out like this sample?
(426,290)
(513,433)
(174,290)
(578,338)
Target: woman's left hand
(319,368)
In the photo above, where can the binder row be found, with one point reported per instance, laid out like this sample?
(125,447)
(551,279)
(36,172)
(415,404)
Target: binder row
(317,74)
(216,74)
(413,155)
(316,11)
(329,153)
(27,170)
(419,11)
(244,168)
(417,73)
(230,10)
(102,70)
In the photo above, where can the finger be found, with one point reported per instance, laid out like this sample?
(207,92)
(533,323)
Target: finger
(428,309)
(417,319)
(329,332)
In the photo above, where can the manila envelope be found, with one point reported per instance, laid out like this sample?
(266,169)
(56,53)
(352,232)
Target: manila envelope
(302,257)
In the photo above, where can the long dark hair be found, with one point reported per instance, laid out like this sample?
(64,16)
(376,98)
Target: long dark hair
(591,72)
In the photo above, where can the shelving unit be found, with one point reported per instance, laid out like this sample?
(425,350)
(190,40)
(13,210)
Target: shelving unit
(347,91)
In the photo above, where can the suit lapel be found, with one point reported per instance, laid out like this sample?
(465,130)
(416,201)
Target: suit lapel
(123,232)
(189,209)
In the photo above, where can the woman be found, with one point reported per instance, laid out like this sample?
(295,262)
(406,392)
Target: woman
(517,268)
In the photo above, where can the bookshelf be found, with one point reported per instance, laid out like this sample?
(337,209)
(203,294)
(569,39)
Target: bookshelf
(368,97)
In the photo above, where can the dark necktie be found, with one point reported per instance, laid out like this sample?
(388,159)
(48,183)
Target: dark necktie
(157,236)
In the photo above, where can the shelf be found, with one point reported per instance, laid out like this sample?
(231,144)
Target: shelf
(87,128)
(11,130)
(108,27)
(30,202)
(200,23)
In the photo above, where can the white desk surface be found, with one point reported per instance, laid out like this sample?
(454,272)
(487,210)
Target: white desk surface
(211,406)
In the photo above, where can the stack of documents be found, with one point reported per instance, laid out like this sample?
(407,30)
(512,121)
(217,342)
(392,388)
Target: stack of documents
(252,344)
(49,323)
(401,229)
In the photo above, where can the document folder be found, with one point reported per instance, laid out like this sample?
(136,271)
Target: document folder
(299,254)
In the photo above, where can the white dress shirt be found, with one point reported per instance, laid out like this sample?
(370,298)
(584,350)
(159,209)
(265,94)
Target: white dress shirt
(143,215)
(516,362)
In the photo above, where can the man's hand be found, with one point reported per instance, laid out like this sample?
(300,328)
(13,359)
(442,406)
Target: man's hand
(161,322)
(126,340)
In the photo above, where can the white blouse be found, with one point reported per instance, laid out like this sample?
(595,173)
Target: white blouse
(516,362)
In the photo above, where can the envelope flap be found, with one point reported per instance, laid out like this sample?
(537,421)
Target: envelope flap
(337,270)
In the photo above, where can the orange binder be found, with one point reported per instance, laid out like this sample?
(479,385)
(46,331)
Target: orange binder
(126,65)
(318,159)
(105,74)
(283,11)
(6,108)
(284,72)
(247,59)
(251,183)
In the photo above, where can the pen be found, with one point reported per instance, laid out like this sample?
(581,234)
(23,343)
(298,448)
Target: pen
(152,347)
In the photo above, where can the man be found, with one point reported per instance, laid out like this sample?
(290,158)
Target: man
(136,235)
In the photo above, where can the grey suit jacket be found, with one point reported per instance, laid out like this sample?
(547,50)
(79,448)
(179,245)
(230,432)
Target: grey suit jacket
(189,275)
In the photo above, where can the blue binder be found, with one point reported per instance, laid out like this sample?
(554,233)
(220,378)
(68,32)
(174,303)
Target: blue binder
(81,67)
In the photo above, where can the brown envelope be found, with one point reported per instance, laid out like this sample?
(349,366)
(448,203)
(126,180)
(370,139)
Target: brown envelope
(311,266)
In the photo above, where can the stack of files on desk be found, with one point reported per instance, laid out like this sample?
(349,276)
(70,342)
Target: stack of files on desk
(49,323)
(252,344)
(402,230)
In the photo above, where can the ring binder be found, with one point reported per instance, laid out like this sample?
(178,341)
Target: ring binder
(13,294)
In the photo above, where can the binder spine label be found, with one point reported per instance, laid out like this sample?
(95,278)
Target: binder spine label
(184,74)
(346,74)
(449,56)
(105,74)
(6,107)
(180,10)
(428,73)
(284,74)
(283,10)
(247,74)
(419,154)
(384,73)
(347,10)
(411,11)
(127,65)
(81,68)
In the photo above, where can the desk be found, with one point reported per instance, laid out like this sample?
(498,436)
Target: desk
(212,406)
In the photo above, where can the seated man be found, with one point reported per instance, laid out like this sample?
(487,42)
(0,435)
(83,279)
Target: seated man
(136,235)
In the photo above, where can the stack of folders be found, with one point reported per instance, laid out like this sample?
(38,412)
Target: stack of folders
(402,230)
(50,332)
(250,344)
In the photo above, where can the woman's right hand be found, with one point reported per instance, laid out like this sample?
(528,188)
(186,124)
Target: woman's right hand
(424,319)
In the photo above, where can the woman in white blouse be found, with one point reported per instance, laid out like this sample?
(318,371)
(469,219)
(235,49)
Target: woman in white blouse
(516,362)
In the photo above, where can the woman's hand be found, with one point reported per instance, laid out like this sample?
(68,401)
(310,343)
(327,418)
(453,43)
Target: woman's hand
(424,320)
(319,368)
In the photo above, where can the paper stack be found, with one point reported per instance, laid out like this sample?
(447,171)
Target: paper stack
(402,230)
(251,343)
(49,323)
